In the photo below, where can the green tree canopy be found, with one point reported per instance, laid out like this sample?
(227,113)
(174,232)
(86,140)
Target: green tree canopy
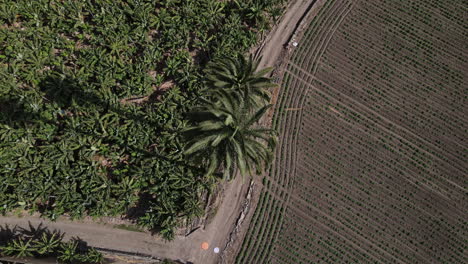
(235,79)
(227,136)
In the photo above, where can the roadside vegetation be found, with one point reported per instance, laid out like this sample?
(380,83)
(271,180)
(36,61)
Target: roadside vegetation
(42,243)
(94,96)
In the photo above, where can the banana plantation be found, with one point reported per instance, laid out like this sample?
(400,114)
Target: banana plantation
(40,242)
(129,108)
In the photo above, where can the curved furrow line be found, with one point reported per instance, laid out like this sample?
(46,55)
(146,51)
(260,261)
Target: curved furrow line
(292,142)
(294,103)
(316,31)
(320,39)
(354,103)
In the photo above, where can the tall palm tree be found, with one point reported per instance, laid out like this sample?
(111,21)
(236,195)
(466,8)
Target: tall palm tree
(236,79)
(225,136)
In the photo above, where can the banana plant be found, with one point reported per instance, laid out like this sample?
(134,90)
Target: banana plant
(92,256)
(20,248)
(66,67)
(47,244)
(68,252)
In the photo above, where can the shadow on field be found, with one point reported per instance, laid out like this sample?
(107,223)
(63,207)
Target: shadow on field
(67,93)
(64,93)
(15,113)
(63,98)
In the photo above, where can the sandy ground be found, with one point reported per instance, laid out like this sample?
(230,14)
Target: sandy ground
(186,249)
(275,43)
(182,248)
(216,233)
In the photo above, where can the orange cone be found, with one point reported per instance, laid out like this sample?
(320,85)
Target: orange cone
(205,246)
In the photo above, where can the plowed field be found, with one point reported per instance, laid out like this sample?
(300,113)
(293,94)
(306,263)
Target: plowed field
(371,165)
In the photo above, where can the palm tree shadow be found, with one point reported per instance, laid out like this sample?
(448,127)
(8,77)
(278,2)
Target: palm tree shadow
(62,97)
(67,92)
(14,113)
(22,110)
(7,233)
(68,97)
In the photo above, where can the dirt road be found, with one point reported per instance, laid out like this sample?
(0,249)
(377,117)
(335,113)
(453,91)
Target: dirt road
(181,248)
(275,42)
(217,231)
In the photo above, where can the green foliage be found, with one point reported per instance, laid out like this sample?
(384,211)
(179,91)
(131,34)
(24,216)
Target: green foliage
(168,261)
(92,256)
(47,244)
(68,252)
(128,228)
(19,248)
(226,134)
(69,144)
(235,79)
(39,242)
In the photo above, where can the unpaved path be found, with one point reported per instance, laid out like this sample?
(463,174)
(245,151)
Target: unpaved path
(181,248)
(217,231)
(276,41)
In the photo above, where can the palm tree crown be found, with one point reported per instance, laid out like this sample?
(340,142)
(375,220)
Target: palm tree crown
(234,78)
(225,136)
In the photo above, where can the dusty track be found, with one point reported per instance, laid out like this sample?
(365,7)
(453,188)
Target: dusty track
(217,232)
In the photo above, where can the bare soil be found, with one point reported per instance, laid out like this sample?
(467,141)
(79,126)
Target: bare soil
(372,130)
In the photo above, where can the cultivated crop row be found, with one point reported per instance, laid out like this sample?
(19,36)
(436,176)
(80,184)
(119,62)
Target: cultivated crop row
(425,105)
(377,173)
(266,221)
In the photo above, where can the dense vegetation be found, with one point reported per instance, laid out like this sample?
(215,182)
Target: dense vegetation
(40,242)
(93,96)
(225,134)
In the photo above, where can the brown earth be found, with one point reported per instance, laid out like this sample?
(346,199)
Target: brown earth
(371,119)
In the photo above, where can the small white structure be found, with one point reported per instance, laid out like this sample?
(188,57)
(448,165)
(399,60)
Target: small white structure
(295,44)
(216,250)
